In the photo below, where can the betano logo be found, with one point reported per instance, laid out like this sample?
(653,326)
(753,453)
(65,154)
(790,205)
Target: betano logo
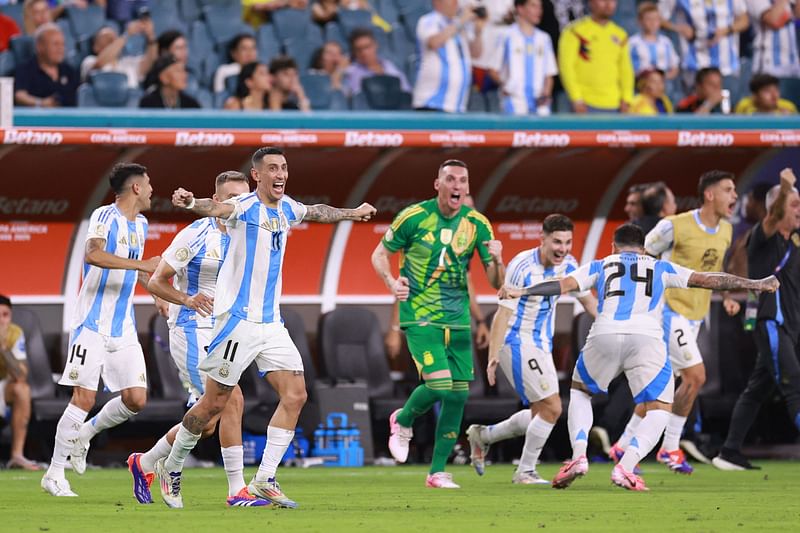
(372,138)
(201,138)
(32,137)
(523,139)
(29,206)
(704,138)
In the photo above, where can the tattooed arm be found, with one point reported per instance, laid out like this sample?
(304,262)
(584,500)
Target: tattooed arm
(205,207)
(720,281)
(328,214)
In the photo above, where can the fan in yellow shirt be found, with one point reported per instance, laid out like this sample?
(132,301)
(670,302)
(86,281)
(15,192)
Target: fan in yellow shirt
(650,99)
(765,97)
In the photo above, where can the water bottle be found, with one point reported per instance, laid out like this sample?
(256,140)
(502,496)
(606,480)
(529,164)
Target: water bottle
(319,437)
(750,312)
(725,105)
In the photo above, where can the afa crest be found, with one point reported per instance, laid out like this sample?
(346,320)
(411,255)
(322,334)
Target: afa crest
(182,254)
(73,374)
(225,370)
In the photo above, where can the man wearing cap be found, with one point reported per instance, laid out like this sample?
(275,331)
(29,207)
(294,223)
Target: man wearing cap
(168,93)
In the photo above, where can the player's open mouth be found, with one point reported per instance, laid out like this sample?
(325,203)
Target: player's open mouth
(557,257)
(278,186)
(455,197)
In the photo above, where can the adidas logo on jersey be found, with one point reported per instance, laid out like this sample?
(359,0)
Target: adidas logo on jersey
(123,241)
(429,238)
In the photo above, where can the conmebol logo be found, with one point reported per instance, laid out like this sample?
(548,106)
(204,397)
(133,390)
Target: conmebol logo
(200,138)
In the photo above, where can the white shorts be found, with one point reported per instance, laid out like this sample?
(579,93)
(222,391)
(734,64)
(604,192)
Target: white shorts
(643,359)
(237,343)
(3,404)
(187,345)
(683,350)
(119,360)
(530,370)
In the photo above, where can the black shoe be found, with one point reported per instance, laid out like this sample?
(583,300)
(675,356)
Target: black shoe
(731,460)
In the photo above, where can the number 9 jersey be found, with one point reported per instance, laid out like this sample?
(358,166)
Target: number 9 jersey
(630,292)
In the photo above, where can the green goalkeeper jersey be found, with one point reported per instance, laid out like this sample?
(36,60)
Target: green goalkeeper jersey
(436,254)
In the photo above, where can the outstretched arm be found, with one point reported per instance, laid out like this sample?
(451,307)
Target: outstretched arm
(778,208)
(546,288)
(205,207)
(328,214)
(96,254)
(720,281)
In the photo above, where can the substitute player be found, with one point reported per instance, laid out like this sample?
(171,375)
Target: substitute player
(438,238)
(522,344)
(626,337)
(103,341)
(248,325)
(192,262)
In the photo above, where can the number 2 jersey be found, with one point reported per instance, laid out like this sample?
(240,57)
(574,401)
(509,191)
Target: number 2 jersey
(630,292)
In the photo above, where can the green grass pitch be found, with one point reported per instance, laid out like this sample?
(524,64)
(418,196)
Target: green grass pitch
(395,499)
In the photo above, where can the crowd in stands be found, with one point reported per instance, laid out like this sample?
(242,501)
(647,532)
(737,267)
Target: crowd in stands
(509,56)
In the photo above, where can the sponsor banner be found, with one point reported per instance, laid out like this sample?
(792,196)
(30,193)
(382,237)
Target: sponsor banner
(392,139)
(34,257)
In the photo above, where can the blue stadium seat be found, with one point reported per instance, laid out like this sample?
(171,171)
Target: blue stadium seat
(7,63)
(224,23)
(189,10)
(166,17)
(230,84)
(107,89)
(409,6)
(200,48)
(302,51)
(318,90)
(399,46)
(291,23)
(334,32)
(388,11)
(219,99)
(384,93)
(350,19)
(23,48)
(268,44)
(204,98)
(15,12)
(410,20)
(85,21)
(790,90)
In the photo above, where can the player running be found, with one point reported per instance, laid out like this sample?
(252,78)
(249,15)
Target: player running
(698,240)
(438,238)
(248,325)
(626,337)
(521,343)
(103,341)
(192,262)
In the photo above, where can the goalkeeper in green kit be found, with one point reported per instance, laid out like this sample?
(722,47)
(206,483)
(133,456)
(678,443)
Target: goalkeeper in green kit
(437,238)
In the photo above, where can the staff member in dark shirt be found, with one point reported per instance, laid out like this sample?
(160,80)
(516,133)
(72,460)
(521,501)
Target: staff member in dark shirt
(168,91)
(772,249)
(46,81)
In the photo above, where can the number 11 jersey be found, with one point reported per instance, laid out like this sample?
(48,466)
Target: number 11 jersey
(630,292)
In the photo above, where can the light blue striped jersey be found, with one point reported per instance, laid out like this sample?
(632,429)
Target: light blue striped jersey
(196,254)
(533,317)
(630,292)
(774,51)
(524,63)
(105,301)
(250,279)
(648,55)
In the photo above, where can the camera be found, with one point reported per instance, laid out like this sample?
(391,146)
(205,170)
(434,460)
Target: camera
(480,12)
(143,13)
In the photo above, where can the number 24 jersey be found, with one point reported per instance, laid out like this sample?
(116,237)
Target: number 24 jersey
(630,292)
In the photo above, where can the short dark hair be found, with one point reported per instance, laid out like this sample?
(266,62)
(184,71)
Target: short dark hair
(316,57)
(557,222)
(166,39)
(712,177)
(453,163)
(280,63)
(245,74)
(518,3)
(360,33)
(639,188)
(263,152)
(5,300)
(229,175)
(761,81)
(629,235)
(653,198)
(122,172)
(236,41)
(703,73)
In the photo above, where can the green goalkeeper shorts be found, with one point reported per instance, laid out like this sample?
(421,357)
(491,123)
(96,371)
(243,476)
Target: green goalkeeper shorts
(436,348)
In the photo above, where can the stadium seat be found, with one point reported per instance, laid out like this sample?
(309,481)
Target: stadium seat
(410,19)
(7,63)
(290,23)
(15,12)
(387,10)
(85,21)
(384,93)
(23,48)
(333,32)
(107,89)
(189,10)
(201,47)
(230,83)
(318,90)
(224,23)
(268,44)
(166,17)
(301,51)
(350,19)
(167,383)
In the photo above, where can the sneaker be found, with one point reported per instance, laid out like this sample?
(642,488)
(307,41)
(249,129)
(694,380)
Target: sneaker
(170,483)
(627,480)
(571,471)
(694,452)
(244,499)
(529,477)
(441,480)
(675,460)
(141,479)
(616,452)
(271,491)
(77,457)
(732,460)
(399,437)
(599,435)
(477,448)
(57,487)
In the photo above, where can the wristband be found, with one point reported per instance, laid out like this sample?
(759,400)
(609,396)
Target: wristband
(191,204)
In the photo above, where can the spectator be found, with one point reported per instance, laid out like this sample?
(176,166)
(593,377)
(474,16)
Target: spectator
(367,63)
(754,205)
(107,48)
(595,62)
(34,14)
(499,15)
(651,49)
(658,202)
(765,97)
(242,50)
(526,63)
(330,60)
(774,42)
(257,12)
(287,93)
(124,11)
(168,93)
(707,95)
(46,81)
(171,42)
(709,35)
(252,88)
(651,98)
(633,201)
(8,29)
(448,45)
(14,388)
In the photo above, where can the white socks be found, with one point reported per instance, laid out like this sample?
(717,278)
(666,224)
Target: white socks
(66,431)
(630,431)
(579,421)
(672,435)
(646,437)
(513,426)
(278,440)
(159,450)
(233,461)
(185,441)
(113,413)
(536,435)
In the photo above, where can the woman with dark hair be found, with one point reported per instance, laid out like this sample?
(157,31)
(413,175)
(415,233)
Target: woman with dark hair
(252,89)
(330,59)
(169,42)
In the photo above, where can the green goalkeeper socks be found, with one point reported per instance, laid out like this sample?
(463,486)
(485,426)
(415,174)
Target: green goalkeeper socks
(449,424)
(422,399)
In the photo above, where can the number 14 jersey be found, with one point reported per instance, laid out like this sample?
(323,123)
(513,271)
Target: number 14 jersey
(630,292)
